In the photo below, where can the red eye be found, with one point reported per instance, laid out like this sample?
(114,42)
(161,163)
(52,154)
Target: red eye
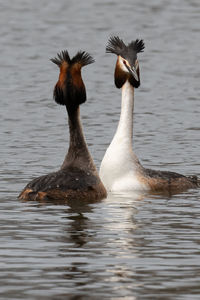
(124,62)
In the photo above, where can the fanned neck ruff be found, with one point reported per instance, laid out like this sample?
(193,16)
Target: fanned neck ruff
(70,89)
(129,54)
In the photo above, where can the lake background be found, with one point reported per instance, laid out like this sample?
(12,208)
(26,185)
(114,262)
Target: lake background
(126,246)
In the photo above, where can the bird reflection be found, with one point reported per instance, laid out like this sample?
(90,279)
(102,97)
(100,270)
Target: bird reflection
(78,223)
(80,227)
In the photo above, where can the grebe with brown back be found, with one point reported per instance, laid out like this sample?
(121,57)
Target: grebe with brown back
(77,178)
(120,168)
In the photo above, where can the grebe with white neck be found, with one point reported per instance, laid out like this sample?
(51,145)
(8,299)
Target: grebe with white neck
(78,178)
(120,168)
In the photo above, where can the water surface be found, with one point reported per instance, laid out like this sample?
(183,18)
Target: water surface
(127,246)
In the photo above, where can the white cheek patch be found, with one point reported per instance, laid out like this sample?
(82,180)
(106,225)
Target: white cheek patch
(122,65)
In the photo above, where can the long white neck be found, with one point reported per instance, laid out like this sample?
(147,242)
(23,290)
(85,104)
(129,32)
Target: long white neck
(125,126)
(120,168)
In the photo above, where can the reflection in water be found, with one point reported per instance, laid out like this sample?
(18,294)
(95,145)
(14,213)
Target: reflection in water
(122,246)
(77,230)
(91,234)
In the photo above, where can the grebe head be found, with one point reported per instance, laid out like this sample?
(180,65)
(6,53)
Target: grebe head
(70,89)
(127,66)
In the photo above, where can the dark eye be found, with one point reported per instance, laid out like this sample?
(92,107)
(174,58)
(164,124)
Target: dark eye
(124,62)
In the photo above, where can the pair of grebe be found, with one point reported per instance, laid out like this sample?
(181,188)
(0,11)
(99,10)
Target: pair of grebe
(120,169)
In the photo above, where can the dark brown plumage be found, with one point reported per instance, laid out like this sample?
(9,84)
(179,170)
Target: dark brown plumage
(78,178)
(172,182)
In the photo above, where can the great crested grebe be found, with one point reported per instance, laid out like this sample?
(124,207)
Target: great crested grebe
(120,169)
(78,178)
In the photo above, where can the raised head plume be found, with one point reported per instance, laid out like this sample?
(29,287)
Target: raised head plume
(115,45)
(137,45)
(61,57)
(83,58)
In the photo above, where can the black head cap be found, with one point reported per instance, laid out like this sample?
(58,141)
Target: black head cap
(82,57)
(129,52)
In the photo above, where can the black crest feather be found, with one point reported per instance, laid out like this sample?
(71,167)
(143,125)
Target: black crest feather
(137,45)
(83,58)
(61,57)
(115,45)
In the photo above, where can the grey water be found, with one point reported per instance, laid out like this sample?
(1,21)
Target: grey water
(127,246)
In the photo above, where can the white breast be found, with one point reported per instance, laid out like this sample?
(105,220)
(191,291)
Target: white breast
(120,169)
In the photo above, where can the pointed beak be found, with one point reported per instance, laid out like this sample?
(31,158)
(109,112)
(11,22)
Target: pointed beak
(133,72)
